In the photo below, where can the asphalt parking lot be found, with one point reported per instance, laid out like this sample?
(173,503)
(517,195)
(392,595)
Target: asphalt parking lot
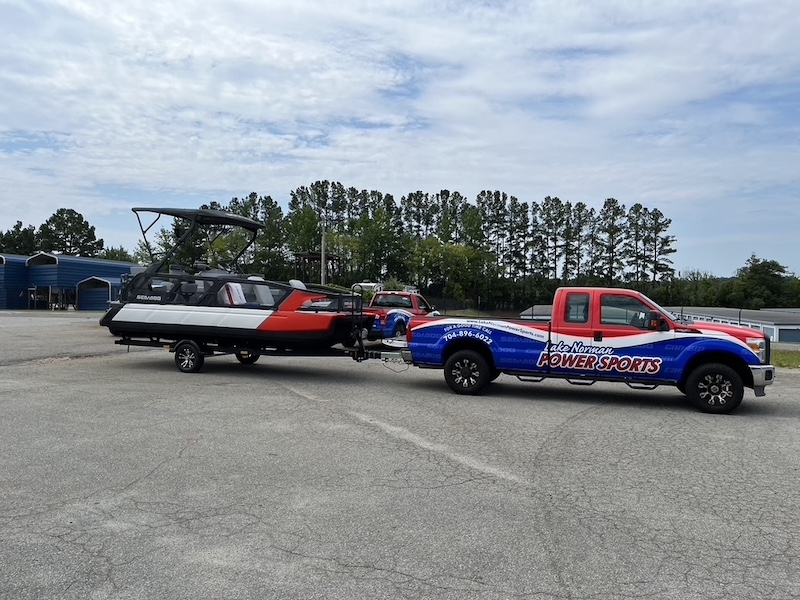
(122,478)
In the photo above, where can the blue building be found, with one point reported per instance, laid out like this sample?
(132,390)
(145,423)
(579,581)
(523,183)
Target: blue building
(53,278)
(95,293)
(13,282)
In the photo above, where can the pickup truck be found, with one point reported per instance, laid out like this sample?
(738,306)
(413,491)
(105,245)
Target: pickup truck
(393,311)
(598,334)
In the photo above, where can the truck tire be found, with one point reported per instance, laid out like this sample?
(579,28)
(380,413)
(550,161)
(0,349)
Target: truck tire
(400,330)
(189,357)
(467,372)
(715,388)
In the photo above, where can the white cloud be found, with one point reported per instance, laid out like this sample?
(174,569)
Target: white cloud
(683,106)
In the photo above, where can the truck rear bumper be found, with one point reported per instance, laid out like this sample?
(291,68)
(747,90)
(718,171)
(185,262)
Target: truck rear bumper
(763,375)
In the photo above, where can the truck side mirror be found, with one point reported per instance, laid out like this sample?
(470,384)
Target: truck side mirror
(656,322)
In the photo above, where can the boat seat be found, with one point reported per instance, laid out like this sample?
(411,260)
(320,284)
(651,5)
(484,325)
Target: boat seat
(231,294)
(264,295)
(188,292)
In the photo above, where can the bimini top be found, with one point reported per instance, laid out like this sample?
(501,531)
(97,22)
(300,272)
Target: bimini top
(212,222)
(206,216)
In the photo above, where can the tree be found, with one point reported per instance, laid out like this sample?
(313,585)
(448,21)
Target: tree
(303,231)
(517,259)
(553,219)
(576,250)
(612,229)
(119,254)
(67,232)
(269,254)
(493,209)
(19,240)
(659,245)
(763,283)
(636,244)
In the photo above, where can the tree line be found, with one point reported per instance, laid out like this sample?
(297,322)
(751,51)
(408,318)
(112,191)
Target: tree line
(65,232)
(494,252)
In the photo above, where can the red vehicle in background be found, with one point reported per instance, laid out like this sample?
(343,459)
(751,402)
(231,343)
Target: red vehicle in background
(392,312)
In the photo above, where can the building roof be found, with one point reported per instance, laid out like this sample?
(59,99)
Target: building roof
(50,258)
(789,316)
(8,258)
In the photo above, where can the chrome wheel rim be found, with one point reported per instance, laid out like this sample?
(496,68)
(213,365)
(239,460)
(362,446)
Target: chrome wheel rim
(187,358)
(465,373)
(715,389)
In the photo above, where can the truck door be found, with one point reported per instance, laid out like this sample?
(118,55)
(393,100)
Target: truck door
(570,353)
(630,344)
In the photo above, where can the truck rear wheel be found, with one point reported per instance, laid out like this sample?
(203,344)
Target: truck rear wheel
(189,357)
(715,388)
(467,372)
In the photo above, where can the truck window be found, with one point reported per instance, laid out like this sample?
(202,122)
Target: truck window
(617,309)
(577,308)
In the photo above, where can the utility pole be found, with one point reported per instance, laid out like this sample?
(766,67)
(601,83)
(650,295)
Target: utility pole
(322,254)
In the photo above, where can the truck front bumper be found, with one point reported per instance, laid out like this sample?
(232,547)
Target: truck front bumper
(763,375)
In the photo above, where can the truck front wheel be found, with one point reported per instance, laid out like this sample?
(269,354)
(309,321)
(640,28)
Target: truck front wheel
(467,372)
(715,388)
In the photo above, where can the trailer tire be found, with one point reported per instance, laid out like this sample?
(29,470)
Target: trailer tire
(189,357)
(467,372)
(247,357)
(715,388)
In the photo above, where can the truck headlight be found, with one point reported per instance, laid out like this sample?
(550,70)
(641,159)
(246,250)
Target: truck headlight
(759,348)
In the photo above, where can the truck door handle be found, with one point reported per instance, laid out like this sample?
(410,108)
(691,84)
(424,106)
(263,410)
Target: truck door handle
(598,336)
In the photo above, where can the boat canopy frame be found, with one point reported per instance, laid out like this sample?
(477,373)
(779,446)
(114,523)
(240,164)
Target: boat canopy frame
(198,219)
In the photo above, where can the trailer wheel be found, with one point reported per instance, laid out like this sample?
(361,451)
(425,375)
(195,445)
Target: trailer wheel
(189,357)
(467,372)
(715,388)
(247,357)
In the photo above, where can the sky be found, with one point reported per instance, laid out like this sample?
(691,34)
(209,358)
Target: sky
(689,107)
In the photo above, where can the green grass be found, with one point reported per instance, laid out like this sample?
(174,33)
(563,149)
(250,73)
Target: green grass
(787,359)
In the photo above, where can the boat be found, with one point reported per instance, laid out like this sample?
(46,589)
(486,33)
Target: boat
(212,308)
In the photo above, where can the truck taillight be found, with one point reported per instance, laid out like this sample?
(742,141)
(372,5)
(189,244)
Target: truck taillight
(409,333)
